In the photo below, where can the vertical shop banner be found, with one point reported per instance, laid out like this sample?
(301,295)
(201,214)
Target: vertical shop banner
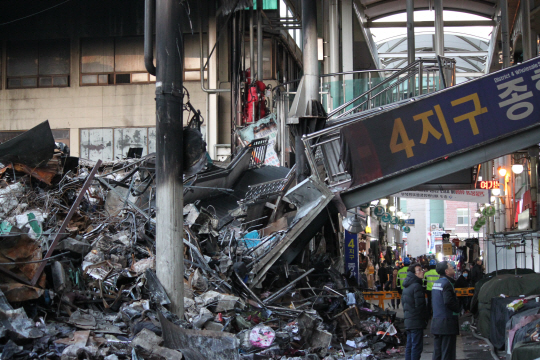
(351,256)
(451,121)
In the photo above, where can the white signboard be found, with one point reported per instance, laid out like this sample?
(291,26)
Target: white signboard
(478,196)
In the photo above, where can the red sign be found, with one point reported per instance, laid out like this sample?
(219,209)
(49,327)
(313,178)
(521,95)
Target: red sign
(488,185)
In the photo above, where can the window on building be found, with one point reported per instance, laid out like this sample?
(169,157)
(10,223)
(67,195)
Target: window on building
(192,56)
(110,61)
(268,60)
(267,4)
(462,216)
(34,64)
(113,61)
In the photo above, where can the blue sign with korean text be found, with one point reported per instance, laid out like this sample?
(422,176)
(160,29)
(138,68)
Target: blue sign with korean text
(409,222)
(351,256)
(459,118)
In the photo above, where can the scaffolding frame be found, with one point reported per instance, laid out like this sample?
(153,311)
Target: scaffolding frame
(515,240)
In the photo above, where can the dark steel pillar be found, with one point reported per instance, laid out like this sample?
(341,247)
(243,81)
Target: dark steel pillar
(169,144)
(311,83)
(259,41)
(505,33)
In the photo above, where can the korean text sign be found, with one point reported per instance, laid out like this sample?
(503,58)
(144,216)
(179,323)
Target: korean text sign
(447,122)
(351,256)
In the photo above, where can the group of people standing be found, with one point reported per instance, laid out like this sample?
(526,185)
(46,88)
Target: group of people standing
(443,305)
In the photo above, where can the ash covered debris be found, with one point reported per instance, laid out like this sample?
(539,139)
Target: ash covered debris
(264,270)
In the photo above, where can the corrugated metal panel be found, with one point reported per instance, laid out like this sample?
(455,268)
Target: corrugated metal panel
(97,144)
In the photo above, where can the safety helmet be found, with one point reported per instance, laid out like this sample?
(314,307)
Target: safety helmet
(432,262)
(407,261)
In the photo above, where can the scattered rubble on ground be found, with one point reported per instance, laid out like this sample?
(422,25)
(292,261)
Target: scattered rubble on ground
(264,273)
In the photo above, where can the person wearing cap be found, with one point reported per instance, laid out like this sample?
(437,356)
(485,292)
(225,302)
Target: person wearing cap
(414,310)
(445,322)
(429,278)
(401,275)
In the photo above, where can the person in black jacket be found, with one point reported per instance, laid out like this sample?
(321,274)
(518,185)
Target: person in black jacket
(383,274)
(445,322)
(464,282)
(477,272)
(415,310)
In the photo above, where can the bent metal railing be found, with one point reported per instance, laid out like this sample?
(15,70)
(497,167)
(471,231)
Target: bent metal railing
(408,84)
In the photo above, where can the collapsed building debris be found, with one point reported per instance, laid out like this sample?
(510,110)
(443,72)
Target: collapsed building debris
(264,272)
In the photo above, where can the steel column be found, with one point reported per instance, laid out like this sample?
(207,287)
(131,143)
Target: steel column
(410,31)
(347,42)
(505,33)
(252,64)
(439,28)
(334,38)
(311,63)
(526,29)
(260,71)
(169,152)
(533,153)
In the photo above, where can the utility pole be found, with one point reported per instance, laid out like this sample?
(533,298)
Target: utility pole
(169,147)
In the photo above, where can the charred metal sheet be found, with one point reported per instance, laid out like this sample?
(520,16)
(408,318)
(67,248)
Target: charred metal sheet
(97,144)
(34,147)
(266,189)
(199,344)
(311,198)
(156,289)
(43,174)
(205,184)
(194,151)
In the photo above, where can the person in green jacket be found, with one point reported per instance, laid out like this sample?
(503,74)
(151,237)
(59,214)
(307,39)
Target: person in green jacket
(401,275)
(430,277)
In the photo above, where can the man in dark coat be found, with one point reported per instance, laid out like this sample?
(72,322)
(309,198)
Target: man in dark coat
(415,310)
(445,323)
(383,274)
(477,272)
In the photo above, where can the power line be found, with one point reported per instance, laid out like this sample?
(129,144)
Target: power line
(39,12)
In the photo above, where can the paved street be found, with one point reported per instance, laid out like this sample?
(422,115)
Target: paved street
(468,347)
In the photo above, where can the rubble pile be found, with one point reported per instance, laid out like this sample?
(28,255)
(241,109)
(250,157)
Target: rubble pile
(264,273)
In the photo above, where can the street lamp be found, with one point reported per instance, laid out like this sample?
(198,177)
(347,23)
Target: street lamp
(384,201)
(392,208)
(496,191)
(353,224)
(502,171)
(517,168)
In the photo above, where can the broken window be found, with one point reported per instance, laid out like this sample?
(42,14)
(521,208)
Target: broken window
(42,63)
(110,61)
(59,135)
